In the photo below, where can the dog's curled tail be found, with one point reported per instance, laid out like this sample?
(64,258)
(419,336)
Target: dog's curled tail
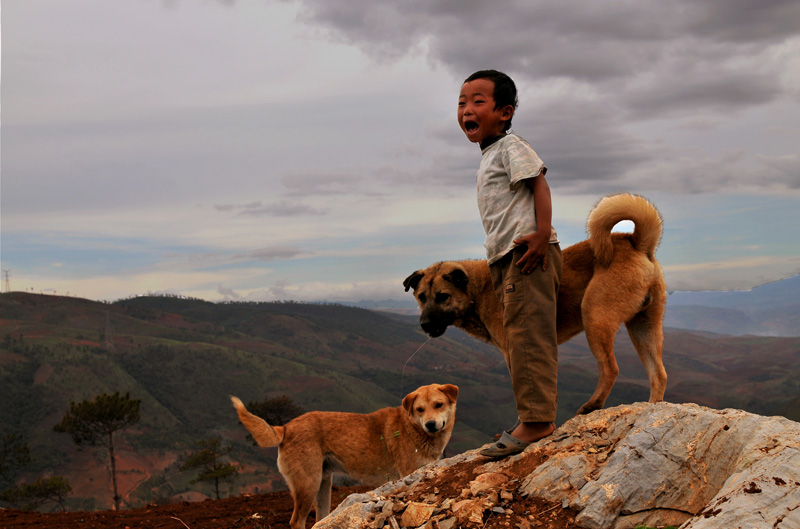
(615,208)
(264,434)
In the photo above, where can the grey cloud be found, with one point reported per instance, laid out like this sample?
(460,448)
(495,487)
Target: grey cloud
(228,294)
(783,169)
(275,209)
(272,253)
(653,56)
(306,184)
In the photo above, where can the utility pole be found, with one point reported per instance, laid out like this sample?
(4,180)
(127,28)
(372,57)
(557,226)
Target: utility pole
(6,282)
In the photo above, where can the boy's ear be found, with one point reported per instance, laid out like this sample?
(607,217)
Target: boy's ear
(507,112)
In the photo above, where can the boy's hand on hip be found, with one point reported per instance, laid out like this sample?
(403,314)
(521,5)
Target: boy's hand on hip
(537,244)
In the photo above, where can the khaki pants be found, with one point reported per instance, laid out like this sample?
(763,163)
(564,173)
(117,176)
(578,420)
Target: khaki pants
(529,318)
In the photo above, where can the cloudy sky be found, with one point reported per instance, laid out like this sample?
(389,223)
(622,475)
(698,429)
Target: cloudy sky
(309,150)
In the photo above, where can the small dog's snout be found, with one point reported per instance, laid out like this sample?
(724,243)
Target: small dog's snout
(431,426)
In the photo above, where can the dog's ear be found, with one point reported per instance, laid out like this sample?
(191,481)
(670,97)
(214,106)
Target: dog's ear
(458,278)
(450,390)
(408,401)
(413,280)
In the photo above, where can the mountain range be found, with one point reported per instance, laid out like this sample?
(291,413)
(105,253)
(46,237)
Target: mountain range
(772,309)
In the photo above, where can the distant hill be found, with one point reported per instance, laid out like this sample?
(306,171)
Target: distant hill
(184,357)
(768,310)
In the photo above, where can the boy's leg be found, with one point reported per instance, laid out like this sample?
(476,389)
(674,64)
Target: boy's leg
(529,318)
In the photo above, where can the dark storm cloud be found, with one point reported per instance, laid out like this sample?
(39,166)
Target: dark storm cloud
(653,56)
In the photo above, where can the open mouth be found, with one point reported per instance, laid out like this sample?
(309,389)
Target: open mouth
(470,126)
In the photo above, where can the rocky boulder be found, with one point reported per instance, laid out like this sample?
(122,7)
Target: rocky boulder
(654,464)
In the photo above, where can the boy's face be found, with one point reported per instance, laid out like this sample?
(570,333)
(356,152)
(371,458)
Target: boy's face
(477,115)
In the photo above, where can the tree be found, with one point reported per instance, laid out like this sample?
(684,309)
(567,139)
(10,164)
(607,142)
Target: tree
(95,421)
(208,458)
(14,455)
(276,411)
(31,496)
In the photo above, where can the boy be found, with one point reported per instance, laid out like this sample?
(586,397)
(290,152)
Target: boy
(522,250)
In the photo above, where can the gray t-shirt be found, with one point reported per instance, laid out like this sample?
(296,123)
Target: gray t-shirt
(505,201)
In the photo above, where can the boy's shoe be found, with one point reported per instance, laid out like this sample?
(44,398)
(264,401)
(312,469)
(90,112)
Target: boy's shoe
(497,436)
(507,445)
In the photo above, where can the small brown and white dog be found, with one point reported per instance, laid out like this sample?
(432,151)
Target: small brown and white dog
(373,448)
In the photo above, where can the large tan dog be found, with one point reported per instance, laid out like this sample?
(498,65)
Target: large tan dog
(607,280)
(374,448)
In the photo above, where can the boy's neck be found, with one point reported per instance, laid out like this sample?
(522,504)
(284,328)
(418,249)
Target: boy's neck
(489,141)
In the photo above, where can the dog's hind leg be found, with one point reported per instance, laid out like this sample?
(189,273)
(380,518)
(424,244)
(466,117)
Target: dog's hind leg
(648,339)
(303,483)
(603,310)
(303,501)
(323,504)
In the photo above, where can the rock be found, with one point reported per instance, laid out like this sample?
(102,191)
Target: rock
(486,481)
(654,464)
(416,514)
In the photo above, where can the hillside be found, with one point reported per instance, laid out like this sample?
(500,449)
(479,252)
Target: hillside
(183,358)
(772,309)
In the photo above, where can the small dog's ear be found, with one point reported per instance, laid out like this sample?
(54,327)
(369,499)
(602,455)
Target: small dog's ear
(450,390)
(413,280)
(458,278)
(408,401)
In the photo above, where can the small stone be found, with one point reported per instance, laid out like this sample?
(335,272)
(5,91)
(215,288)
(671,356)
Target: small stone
(447,523)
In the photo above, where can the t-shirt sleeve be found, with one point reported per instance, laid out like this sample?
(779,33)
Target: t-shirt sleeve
(521,162)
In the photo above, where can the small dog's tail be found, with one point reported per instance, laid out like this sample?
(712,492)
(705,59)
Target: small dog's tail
(615,208)
(264,434)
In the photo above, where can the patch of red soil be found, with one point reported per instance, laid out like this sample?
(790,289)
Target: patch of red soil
(258,511)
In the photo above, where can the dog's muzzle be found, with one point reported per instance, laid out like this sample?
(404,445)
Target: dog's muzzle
(435,322)
(432,427)
(432,329)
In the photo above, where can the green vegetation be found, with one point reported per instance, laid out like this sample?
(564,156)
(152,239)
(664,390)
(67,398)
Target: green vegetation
(95,422)
(32,496)
(277,411)
(209,459)
(14,456)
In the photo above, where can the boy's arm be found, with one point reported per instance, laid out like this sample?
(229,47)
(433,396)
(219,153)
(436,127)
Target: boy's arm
(538,241)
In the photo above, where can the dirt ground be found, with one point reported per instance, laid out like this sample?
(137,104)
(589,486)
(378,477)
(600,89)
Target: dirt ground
(256,511)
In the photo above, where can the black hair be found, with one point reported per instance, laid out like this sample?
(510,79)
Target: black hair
(505,91)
